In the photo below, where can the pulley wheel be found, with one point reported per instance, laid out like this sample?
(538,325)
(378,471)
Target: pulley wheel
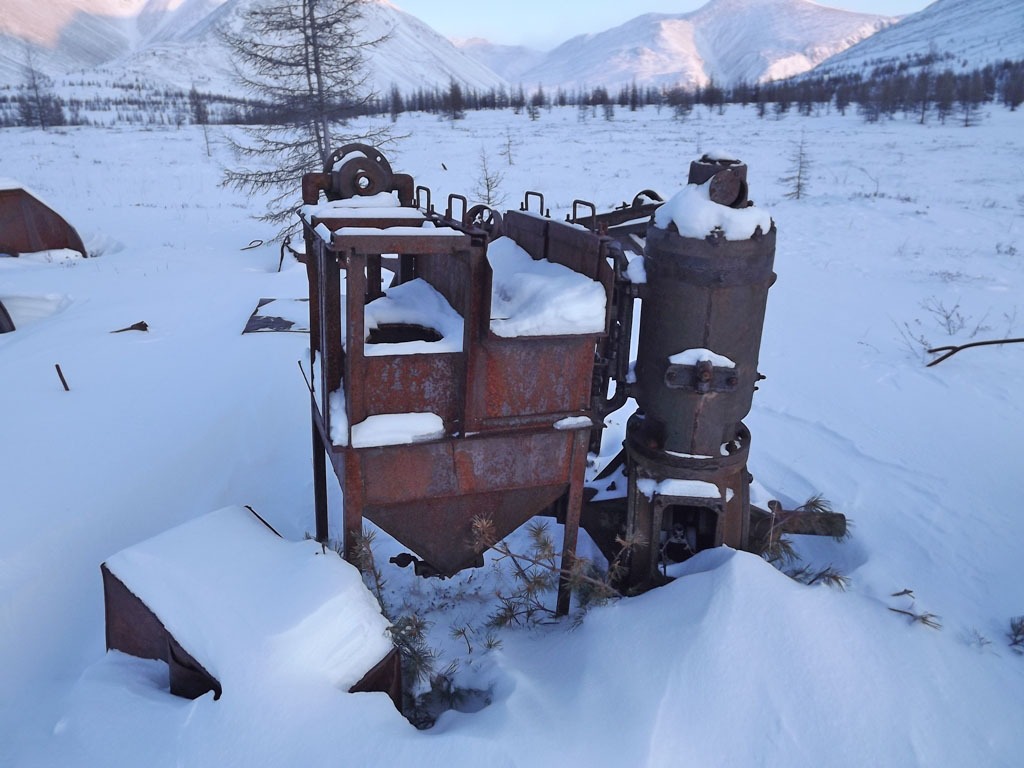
(486,218)
(366,172)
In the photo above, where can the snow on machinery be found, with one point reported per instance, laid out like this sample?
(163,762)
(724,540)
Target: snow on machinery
(462,390)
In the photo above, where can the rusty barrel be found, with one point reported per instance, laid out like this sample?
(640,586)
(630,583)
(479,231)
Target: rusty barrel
(701,294)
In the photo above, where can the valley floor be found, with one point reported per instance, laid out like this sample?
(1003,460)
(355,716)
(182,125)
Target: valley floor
(908,236)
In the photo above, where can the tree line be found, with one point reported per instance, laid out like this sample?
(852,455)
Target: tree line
(921,89)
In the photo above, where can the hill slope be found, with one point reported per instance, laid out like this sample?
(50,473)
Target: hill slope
(972,32)
(175,43)
(725,40)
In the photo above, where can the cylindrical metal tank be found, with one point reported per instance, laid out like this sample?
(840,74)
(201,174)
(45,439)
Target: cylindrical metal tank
(700,332)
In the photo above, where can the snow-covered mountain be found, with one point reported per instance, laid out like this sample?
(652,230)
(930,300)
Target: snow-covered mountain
(175,42)
(508,61)
(977,32)
(725,40)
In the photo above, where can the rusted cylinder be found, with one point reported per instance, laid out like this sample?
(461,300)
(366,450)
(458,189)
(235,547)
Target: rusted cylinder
(701,294)
(728,180)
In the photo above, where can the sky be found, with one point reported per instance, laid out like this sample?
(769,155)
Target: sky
(545,24)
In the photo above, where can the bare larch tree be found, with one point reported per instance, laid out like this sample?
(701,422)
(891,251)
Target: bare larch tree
(303,62)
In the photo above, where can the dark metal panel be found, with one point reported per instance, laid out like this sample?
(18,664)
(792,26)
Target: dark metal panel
(188,678)
(355,338)
(574,247)
(529,231)
(131,626)
(6,324)
(701,294)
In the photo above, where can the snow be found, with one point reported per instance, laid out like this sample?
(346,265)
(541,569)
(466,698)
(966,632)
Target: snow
(338,416)
(252,607)
(694,214)
(573,422)
(687,455)
(176,44)
(950,32)
(381,205)
(323,231)
(332,211)
(721,155)
(397,429)
(699,354)
(635,270)
(295,311)
(698,489)
(740,666)
(50,256)
(400,231)
(25,310)
(416,302)
(536,297)
(724,40)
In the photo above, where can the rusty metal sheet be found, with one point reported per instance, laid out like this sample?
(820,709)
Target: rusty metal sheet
(439,530)
(28,225)
(415,384)
(386,677)
(499,398)
(131,627)
(458,466)
(390,242)
(530,376)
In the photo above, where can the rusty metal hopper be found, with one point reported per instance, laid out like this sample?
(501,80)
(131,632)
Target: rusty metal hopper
(503,452)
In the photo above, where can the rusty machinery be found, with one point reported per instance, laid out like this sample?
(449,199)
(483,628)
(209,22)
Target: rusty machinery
(503,450)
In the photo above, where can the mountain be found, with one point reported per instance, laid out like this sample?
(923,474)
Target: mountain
(725,40)
(955,31)
(508,61)
(174,42)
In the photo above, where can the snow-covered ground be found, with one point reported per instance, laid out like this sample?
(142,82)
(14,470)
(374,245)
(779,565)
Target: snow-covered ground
(906,232)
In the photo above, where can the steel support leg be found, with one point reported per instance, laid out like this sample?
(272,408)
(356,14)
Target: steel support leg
(572,521)
(319,480)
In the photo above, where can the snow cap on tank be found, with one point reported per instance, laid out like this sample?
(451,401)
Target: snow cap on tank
(714,202)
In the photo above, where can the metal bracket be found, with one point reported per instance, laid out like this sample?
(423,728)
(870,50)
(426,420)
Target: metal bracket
(701,378)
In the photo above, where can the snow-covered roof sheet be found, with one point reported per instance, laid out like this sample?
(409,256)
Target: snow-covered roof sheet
(249,605)
(329,211)
(536,297)
(367,206)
